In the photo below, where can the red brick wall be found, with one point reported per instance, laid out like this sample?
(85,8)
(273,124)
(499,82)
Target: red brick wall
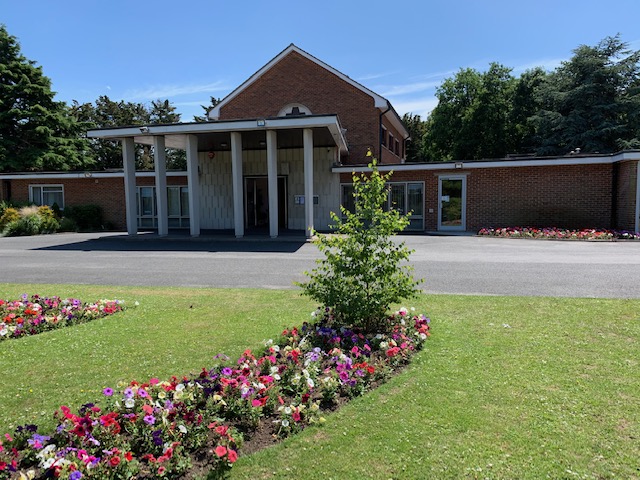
(106,192)
(295,79)
(572,196)
(626,174)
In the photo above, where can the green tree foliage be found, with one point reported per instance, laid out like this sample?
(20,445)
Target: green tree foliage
(109,113)
(417,129)
(36,132)
(472,117)
(207,108)
(364,270)
(591,102)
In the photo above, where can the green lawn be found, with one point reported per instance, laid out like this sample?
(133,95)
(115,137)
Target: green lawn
(506,387)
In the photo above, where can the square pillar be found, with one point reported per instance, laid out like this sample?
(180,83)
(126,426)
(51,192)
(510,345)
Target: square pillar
(272,180)
(129,164)
(307,142)
(160,166)
(193,182)
(237,185)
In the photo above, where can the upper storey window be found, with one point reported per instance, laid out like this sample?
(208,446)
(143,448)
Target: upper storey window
(294,110)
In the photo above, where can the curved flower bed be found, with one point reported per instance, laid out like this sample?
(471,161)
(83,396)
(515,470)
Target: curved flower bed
(196,425)
(559,233)
(30,316)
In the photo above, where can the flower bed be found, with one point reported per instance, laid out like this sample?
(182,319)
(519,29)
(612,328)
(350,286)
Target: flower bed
(30,316)
(559,233)
(196,425)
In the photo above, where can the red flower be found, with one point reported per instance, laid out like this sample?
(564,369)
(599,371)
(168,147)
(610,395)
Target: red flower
(128,456)
(233,456)
(114,461)
(221,451)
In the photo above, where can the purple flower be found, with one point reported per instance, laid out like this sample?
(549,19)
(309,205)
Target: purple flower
(128,393)
(227,371)
(75,475)
(107,392)
(149,419)
(142,393)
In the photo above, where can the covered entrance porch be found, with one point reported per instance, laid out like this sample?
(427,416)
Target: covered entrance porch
(234,165)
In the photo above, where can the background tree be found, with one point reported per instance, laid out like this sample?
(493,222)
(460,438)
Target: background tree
(525,106)
(417,129)
(207,108)
(162,112)
(591,101)
(36,132)
(104,114)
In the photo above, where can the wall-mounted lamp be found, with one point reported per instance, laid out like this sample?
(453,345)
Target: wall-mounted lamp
(459,165)
(262,122)
(88,174)
(211,154)
(223,145)
(144,129)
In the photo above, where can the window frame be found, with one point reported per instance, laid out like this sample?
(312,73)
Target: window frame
(41,187)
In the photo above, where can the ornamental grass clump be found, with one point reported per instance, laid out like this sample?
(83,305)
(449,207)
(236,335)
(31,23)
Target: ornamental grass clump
(364,270)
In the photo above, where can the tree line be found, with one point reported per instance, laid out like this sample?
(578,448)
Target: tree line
(589,104)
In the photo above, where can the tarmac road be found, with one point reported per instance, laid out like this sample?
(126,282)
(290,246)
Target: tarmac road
(449,264)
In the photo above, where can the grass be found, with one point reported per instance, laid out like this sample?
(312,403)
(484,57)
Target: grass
(506,387)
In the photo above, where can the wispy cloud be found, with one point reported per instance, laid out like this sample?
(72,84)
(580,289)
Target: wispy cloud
(374,76)
(416,106)
(547,64)
(392,90)
(169,91)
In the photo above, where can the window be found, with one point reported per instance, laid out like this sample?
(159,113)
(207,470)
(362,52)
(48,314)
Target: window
(177,207)
(390,144)
(47,195)
(384,137)
(403,196)
(397,147)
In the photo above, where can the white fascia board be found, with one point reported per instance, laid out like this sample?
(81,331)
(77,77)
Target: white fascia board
(540,162)
(181,129)
(379,101)
(86,175)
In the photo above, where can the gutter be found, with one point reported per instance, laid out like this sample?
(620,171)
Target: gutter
(382,114)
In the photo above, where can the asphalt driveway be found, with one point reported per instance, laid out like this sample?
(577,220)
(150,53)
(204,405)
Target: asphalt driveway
(449,264)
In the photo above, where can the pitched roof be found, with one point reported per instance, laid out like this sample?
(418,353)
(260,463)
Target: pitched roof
(379,101)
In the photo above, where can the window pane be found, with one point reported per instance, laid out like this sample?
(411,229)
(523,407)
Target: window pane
(146,200)
(416,204)
(396,198)
(36,195)
(173,201)
(184,201)
(348,201)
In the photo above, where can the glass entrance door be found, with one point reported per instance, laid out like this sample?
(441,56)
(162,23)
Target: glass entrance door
(452,196)
(256,203)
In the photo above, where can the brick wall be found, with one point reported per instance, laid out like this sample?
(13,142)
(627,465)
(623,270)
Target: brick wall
(626,181)
(106,192)
(569,196)
(296,79)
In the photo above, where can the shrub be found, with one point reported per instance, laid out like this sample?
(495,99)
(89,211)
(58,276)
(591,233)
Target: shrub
(29,224)
(9,215)
(361,274)
(49,222)
(68,225)
(87,217)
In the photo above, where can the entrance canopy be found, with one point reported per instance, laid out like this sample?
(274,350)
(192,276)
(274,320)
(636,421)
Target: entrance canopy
(327,132)
(303,131)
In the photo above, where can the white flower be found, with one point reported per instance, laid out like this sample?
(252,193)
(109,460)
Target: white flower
(285,423)
(129,403)
(180,387)
(182,429)
(310,383)
(287,410)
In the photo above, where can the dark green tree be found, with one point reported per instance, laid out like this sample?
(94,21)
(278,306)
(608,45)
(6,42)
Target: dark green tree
(525,106)
(591,101)
(36,132)
(162,112)
(417,129)
(207,108)
(471,119)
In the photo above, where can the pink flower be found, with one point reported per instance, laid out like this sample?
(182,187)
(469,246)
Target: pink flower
(221,451)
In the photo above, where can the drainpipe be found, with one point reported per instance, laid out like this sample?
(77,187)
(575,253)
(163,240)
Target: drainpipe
(380,130)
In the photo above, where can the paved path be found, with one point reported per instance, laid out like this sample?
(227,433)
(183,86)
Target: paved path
(454,264)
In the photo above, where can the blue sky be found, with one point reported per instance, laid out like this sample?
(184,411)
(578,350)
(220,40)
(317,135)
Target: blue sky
(187,51)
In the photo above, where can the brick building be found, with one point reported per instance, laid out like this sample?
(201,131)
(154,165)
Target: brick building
(278,153)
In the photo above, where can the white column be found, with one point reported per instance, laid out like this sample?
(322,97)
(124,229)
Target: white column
(129,163)
(193,182)
(272,179)
(160,163)
(307,141)
(237,186)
